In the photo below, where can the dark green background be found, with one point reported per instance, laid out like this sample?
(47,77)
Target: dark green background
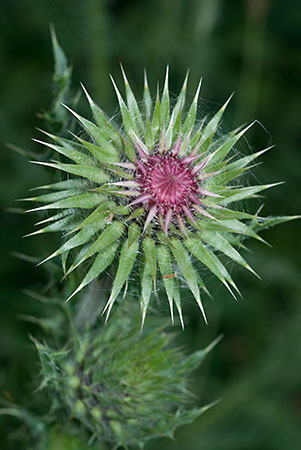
(250,47)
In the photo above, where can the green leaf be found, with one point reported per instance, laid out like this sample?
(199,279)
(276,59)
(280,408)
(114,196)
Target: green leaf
(176,113)
(100,153)
(244,193)
(127,120)
(220,243)
(183,260)
(177,300)
(96,132)
(212,125)
(67,150)
(71,183)
(132,105)
(146,288)
(194,360)
(147,100)
(242,162)
(92,173)
(225,148)
(133,233)
(225,176)
(101,262)
(85,201)
(167,272)
(126,261)
(149,139)
(156,121)
(99,213)
(191,115)
(129,149)
(149,248)
(225,213)
(67,223)
(209,259)
(58,216)
(80,238)
(54,196)
(232,225)
(108,129)
(110,234)
(195,139)
(164,107)
(62,72)
(266,222)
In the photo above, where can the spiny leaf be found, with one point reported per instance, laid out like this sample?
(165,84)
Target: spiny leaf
(176,112)
(133,233)
(62,72)
(191,115)
(110,132)
(224,213)
(60,215)
(68,151)
(67,223)
(95,132)
(194,360)
(80,238)
(149,248)
(54,196)
(242,162)
(127,120)
(146,288)
(262,223)
(164,106)
(225,176)
(110,234)
(97,214)
(101,262)
(92,173)
(186,267)
(232,225)
(217,241)
(147,98)
(246,192)
(71,183)
(126,262)
(100,153)
(225,148)
(177,300)
(166,269)
(149,139)
(212,126)
(209,259)
(85,201)
(132,105)
(156,120)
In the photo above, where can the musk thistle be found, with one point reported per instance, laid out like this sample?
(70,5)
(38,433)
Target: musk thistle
(158,193)
(120,386)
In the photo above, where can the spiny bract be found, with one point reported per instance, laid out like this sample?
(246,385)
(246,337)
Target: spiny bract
(159,187)
(123,387)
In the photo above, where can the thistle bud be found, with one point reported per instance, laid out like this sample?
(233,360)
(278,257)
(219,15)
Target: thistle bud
(123,387)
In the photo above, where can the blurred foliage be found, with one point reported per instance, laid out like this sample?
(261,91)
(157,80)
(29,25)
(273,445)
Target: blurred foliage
(251,47)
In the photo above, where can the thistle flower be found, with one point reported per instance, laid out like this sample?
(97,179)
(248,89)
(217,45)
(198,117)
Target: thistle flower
(112,380)
(163,185)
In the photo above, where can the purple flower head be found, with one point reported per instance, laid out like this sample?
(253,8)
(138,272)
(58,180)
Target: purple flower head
(162,186)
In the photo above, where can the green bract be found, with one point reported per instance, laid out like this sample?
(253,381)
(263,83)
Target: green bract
(121,386)
(107,211)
